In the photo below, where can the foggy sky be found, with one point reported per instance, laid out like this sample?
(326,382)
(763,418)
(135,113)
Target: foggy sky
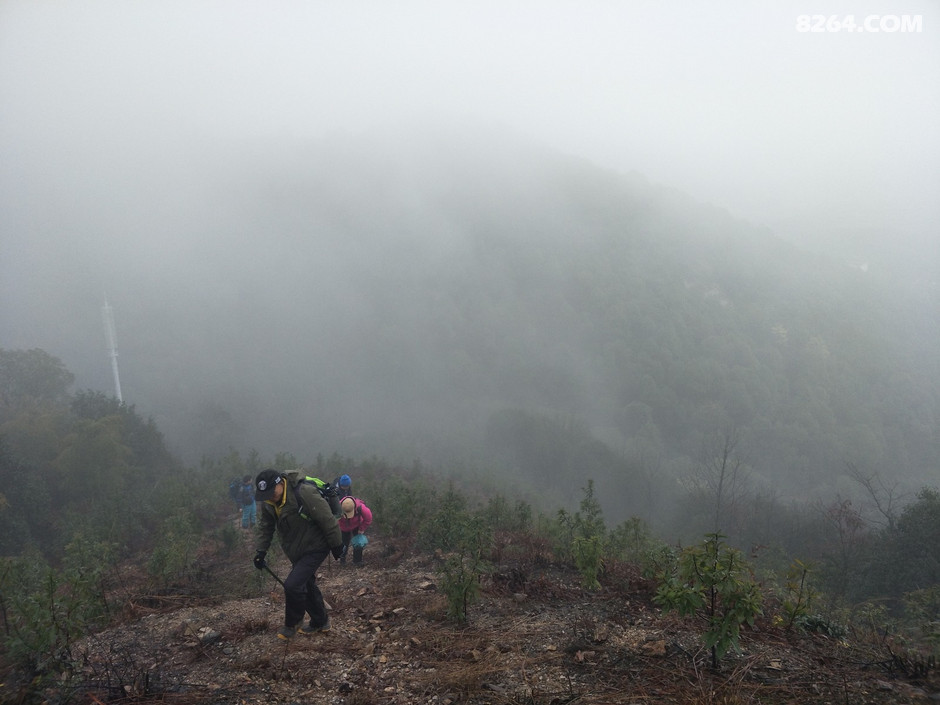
(105,108)
(730,103)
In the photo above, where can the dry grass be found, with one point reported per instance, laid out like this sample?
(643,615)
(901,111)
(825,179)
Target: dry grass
(548,643)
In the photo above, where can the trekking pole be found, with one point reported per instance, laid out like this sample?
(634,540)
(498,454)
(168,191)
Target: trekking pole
(273,574)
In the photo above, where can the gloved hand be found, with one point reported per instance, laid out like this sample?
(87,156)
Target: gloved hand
(259,559)
(337,551)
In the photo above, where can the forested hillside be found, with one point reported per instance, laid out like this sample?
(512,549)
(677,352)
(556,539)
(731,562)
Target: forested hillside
(101,529)
(468,298)
(80,472)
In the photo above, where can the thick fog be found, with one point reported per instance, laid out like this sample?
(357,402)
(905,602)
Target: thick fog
(151,152)
(732,104)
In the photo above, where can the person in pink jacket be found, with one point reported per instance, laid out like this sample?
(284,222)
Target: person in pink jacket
(356,517)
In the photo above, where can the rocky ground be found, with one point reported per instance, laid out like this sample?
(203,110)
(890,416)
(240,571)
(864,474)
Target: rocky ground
(534,637)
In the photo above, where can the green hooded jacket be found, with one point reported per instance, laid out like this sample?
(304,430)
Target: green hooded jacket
(298,535)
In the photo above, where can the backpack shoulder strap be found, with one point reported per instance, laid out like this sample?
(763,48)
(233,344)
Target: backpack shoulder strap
(301,507)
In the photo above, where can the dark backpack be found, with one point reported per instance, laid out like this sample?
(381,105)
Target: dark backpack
(326,490)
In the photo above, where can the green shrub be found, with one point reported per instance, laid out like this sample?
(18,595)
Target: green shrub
(871,620)
(798,595)
(583,538)
(230,538)
(630,540)
(659,560)
(713,580)
(399,505)
(819,624)
(462,569)
(448,527)
(460,582)
(502,517)
(922,608)
(45,611)
(588,560)
(174,552)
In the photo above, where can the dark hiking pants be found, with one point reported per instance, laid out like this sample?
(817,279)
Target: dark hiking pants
(357,550)
(301,593)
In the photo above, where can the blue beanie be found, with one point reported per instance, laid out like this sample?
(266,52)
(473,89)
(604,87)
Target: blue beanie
(345,481)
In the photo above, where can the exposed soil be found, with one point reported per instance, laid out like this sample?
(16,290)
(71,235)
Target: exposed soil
(534,637)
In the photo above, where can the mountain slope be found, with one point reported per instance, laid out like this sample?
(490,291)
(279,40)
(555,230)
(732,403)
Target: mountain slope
(398,292)
(534,636)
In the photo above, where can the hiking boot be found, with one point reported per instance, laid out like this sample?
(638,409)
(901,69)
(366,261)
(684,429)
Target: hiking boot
(310,629)
(286,633)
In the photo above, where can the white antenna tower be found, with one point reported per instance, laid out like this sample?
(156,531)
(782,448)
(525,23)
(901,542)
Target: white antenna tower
(112,345)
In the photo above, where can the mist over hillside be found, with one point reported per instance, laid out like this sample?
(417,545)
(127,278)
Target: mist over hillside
(467,296)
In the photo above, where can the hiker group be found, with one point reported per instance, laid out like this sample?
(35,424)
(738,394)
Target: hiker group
(313,519)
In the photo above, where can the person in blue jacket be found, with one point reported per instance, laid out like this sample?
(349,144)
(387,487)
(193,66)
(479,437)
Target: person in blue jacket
(343,485)
(246,496)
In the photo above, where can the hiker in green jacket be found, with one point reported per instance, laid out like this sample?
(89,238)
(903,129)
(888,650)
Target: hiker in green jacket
(308,532)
